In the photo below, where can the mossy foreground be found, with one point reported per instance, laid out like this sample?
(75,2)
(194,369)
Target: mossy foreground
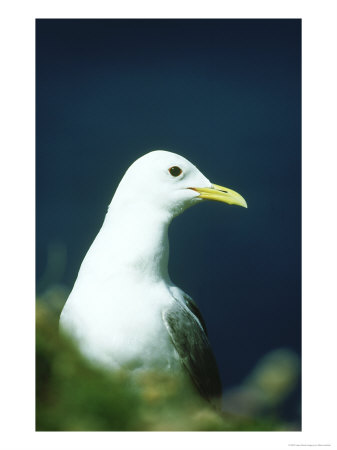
(72,395)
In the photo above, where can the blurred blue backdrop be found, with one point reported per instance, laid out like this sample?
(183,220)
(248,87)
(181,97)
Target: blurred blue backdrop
(226,94)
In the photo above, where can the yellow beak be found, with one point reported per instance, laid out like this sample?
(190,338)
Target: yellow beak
(221,194)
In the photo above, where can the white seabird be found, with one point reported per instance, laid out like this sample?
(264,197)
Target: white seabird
(124,311)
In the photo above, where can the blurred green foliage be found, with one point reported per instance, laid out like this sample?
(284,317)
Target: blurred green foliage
(73,395)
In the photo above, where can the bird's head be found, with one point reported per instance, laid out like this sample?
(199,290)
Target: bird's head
(170,183)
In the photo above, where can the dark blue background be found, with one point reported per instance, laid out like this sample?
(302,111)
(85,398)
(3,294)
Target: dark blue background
(226,95)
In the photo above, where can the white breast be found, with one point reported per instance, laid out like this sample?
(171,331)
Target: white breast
(124,331)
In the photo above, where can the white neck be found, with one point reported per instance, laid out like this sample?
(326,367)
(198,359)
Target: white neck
(133,238)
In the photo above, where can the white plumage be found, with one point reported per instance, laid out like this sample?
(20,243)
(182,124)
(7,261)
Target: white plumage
(124,311)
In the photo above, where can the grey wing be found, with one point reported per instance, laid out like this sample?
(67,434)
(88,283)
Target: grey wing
(195,310)
(192,345)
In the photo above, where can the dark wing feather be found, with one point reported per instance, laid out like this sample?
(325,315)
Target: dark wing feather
(192,345)
(195,310)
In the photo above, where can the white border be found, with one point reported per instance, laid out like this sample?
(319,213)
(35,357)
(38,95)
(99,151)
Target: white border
(319,218)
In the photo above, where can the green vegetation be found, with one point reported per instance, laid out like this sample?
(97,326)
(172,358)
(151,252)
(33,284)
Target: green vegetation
(73,395)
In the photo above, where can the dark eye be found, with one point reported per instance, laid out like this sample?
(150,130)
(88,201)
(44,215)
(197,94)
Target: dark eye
(175,171)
